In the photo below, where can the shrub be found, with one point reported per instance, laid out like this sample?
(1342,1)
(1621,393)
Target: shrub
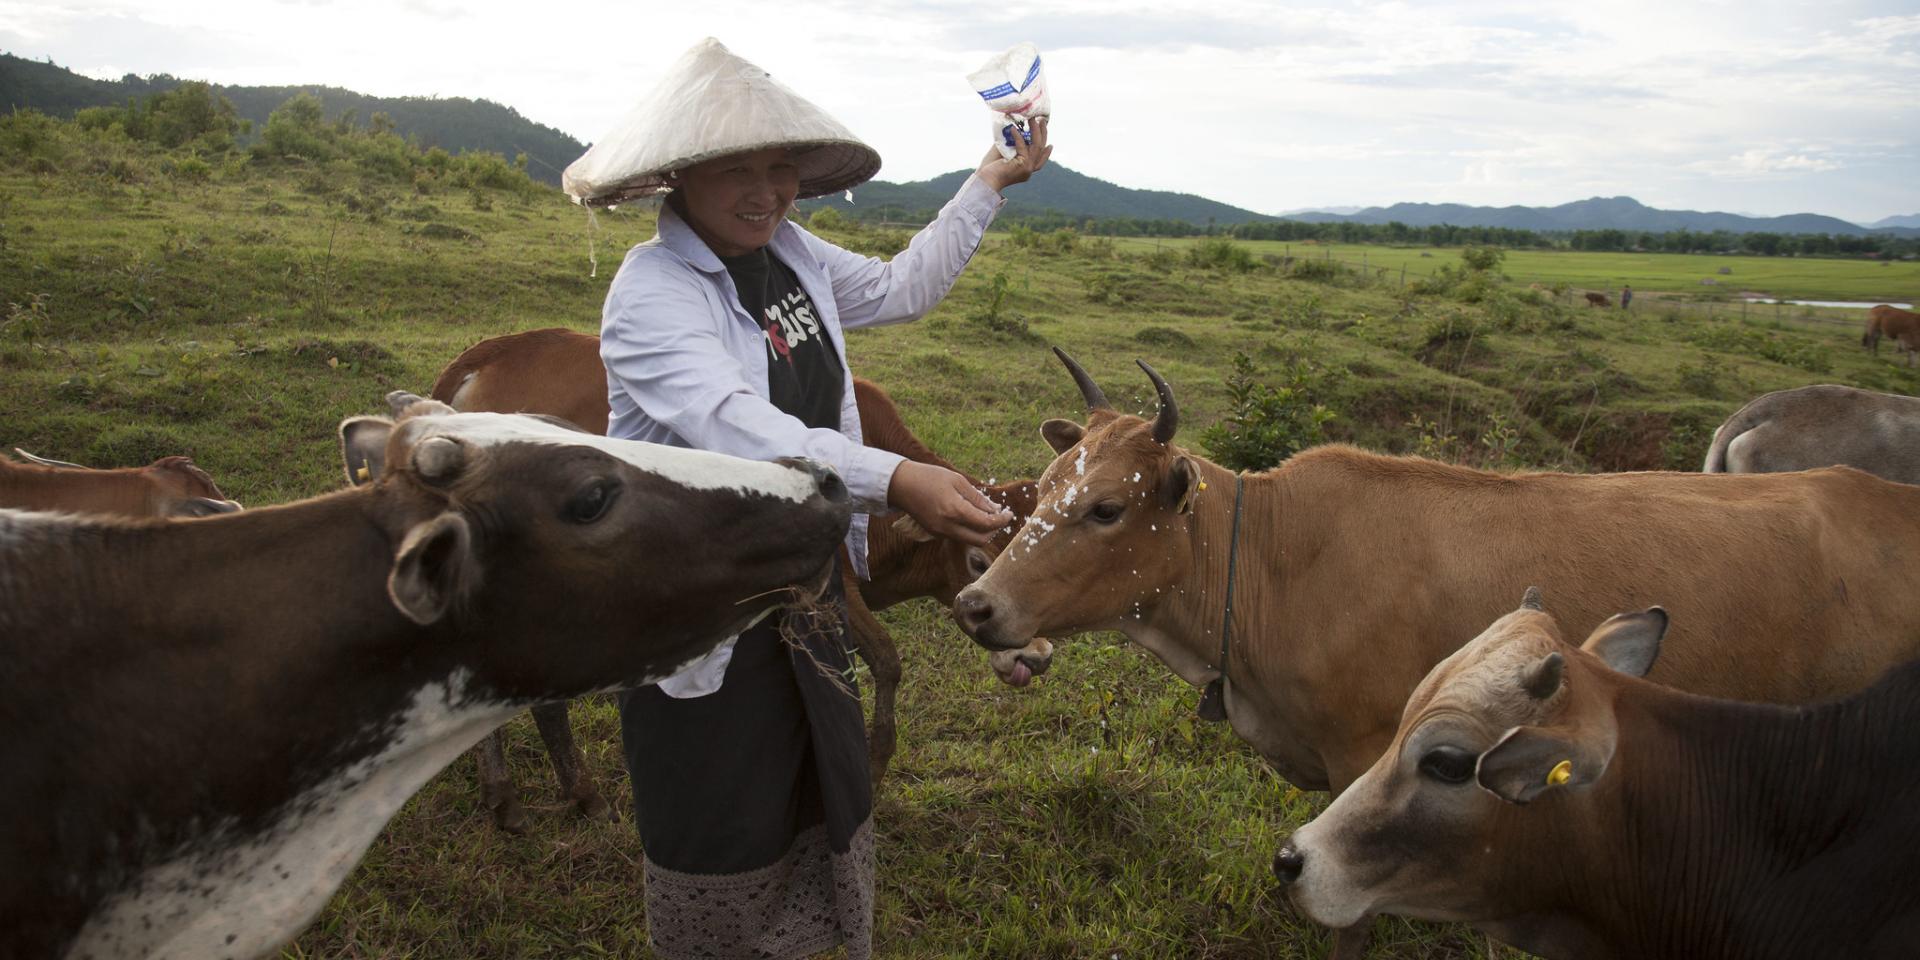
(1316,271)
(1219,253)
(1162,337)
(1267,424)
(827,218)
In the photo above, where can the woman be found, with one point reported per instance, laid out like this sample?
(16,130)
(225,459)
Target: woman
(723,332)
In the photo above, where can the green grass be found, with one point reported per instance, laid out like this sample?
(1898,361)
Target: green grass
(240,318)
(1799,278)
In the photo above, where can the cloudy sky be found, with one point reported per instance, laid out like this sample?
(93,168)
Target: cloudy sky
(1752,106)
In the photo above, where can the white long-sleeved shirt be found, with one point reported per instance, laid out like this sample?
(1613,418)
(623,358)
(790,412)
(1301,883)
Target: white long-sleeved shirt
(687,366)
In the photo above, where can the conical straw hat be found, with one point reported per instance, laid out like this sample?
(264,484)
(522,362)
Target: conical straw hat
(711,104)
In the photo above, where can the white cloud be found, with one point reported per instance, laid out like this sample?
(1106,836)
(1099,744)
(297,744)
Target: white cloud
(1762,105)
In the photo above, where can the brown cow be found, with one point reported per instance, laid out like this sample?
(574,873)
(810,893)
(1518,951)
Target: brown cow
(1821,426)
(558,372)
(1890,321)
(1356,573)
(208,723)
(1544,793)
(167,487)
(1598,300)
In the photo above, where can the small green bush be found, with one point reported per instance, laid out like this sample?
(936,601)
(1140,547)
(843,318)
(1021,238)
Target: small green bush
(1162,337)
(1267,424)
(1219,253)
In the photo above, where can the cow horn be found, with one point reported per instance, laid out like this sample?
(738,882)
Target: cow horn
(1088,389)
(43,461)
(1543,680)
(1168,419)
(1531,599)
(439,459)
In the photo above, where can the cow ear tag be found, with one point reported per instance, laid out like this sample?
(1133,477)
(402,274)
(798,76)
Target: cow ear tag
(1561,773)
(1213,702)
(360,474)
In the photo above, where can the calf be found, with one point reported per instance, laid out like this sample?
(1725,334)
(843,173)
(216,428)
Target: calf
(1544,793)
(558,372)
(208,723)
(1887,320)
(1820,426)
(167,487)
(1598,300)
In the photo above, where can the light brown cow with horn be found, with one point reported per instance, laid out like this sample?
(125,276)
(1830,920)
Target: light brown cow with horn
(1355,573)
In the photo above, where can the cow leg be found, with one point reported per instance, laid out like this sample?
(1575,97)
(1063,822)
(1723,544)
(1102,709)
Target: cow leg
(1350,943)
(496,785)
(569,767)
(875,646)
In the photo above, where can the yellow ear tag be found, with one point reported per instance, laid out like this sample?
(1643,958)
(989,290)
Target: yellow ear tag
(1561,773)
(361,474)
(1203,484)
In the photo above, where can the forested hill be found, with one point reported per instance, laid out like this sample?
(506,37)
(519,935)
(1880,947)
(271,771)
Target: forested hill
(1057,190)
(451,123)
(1596,213)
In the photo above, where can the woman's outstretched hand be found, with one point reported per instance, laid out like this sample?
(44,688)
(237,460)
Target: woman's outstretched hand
(944,503)
(1003,172)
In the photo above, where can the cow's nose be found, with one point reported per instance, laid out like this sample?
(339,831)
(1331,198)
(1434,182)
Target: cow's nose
(973,610)
(831,486)
(1288,863)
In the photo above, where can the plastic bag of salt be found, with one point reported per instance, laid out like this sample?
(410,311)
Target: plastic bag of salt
(1014,86)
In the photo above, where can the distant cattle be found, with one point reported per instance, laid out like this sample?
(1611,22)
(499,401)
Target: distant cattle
(207,723)
(1821,426)
(1598,300)
(558,372)
(1890,321)
(167,487)
(1355,573)
(1545,794)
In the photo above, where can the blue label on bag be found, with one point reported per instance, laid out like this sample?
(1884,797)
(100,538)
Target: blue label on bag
(1008,89)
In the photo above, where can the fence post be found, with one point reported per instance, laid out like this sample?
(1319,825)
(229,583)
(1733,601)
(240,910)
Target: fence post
(1403,274)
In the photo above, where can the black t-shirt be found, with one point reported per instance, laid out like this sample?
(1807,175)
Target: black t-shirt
(804,373)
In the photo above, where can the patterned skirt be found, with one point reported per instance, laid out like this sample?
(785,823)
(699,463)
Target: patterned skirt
(754,806)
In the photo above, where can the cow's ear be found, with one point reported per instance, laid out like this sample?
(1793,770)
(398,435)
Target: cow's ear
(1529,761)
(1629,642)
(1061,435)
(435,568)
(363,447)
(1183,481)
(910,528)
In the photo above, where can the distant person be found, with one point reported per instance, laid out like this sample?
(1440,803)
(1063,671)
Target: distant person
(723,332)
(1626,296)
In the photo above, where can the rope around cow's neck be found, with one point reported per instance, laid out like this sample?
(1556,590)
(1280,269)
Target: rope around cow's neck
(1213,701)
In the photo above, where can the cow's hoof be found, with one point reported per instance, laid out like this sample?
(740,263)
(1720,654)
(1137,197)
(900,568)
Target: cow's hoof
(510,817)
(592,806)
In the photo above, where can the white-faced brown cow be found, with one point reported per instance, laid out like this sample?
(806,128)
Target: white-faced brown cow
(1886,320)
(208,722)
(557,372)
(167,487)
(1355,573)
(1544,793)
(1821,426)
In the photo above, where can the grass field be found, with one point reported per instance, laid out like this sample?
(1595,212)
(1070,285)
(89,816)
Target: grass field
(1798,278)
(239,316)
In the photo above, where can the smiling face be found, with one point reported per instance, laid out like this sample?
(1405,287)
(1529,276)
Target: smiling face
(736,202)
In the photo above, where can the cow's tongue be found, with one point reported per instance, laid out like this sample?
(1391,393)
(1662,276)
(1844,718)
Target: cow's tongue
(1021,675)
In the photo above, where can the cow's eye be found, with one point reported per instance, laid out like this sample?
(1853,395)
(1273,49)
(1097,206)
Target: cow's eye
(1106,511)
(590,502)
(1448,764)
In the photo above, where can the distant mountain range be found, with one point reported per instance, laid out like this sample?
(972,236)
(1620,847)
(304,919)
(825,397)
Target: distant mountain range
(451,123)
(458,123)
(1602,213)
(1056,190)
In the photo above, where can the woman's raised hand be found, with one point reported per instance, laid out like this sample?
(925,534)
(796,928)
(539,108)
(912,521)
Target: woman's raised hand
(1003,172)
